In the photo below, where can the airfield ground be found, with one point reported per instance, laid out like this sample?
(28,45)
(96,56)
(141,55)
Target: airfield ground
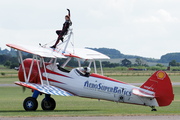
(12,97)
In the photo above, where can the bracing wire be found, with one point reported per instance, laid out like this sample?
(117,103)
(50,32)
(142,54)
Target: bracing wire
(49,42)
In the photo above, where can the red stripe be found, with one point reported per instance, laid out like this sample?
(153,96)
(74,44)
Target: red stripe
(70,55)
(26,85)
(19,48)
(49,71)
(107,78)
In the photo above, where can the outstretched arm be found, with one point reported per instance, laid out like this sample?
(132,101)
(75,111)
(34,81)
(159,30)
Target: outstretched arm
(69,12)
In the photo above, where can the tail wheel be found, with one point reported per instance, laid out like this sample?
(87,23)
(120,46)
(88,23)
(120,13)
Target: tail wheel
(30,104)
(48,105)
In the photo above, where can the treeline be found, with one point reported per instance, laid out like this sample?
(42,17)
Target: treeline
(113,53)
(12,62)
(9,61)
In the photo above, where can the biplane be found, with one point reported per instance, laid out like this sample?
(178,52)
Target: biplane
(50,78)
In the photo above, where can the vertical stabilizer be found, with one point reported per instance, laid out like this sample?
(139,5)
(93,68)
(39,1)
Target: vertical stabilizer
(160,83)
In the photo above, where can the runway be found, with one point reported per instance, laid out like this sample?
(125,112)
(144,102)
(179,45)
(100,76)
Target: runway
(98,118)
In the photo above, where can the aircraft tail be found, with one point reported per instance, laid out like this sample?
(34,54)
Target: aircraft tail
(160,83)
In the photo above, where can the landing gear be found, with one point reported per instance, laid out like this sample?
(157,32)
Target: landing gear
(48,104)
(30,104)
(153,108)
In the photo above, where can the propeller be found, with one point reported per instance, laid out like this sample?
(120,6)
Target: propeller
(23,89)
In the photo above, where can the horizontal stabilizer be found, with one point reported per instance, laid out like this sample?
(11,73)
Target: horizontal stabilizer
(45,89)
(142,93)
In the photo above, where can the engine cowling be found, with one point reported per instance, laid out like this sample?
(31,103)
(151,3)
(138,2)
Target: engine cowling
(34,78)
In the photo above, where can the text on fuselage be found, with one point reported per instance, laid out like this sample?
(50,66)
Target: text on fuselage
(103,88)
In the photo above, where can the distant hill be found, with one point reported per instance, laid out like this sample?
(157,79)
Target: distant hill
(113,53)
(169,57)
(6,51)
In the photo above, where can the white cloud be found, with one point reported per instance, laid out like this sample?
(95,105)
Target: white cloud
(160,16)
(150,19)
(166,16)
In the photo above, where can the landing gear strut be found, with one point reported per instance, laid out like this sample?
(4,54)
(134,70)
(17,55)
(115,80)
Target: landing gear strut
(153,108)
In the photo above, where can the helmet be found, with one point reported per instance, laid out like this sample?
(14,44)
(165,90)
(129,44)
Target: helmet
(88,69)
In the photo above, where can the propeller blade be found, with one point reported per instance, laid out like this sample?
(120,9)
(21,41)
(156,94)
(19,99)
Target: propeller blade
(24,89)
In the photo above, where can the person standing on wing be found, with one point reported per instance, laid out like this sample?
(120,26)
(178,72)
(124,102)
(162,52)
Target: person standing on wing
(64,30)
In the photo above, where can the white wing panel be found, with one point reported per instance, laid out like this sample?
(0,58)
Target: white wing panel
(85,53)
(37,50)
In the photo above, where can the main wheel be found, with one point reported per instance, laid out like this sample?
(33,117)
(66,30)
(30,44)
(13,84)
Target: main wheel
(30,104)
(48,105)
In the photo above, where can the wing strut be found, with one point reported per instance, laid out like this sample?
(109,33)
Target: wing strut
(90,63)
(39,71)
(95,66)
(101,67)
(45,72)
(30,69)
(79,63)
(23,66)
(63,65)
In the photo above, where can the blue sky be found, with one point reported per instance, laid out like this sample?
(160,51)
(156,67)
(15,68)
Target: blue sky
(148,28)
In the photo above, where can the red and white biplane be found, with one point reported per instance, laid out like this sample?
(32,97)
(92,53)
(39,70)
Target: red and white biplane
(50,78)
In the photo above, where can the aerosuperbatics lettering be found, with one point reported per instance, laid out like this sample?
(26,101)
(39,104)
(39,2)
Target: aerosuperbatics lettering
(107,89)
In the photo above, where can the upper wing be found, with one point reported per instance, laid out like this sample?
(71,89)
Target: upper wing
(84,53)
(45,89)
(48,52)
(37,50)
(143,93)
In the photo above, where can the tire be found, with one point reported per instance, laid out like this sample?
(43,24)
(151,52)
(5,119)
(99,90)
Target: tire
(30,104)
(48,105)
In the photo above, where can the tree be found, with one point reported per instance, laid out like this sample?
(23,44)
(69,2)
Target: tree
(126,62)
(7,63)
(160,65)
(138,61)
(172,63)
(14,65)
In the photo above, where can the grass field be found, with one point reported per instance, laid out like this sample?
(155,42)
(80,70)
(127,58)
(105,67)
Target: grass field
(11,101)
(12,98)
(127,79)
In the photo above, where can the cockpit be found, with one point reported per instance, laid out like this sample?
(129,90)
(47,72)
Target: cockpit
(84,71)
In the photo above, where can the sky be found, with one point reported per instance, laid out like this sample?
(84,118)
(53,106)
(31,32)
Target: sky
(148,28)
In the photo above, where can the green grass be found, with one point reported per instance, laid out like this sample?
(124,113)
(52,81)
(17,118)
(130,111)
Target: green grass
(127,79)
(8,80)
(12,98)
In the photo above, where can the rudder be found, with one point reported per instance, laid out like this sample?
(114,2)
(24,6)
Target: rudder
(160,83)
